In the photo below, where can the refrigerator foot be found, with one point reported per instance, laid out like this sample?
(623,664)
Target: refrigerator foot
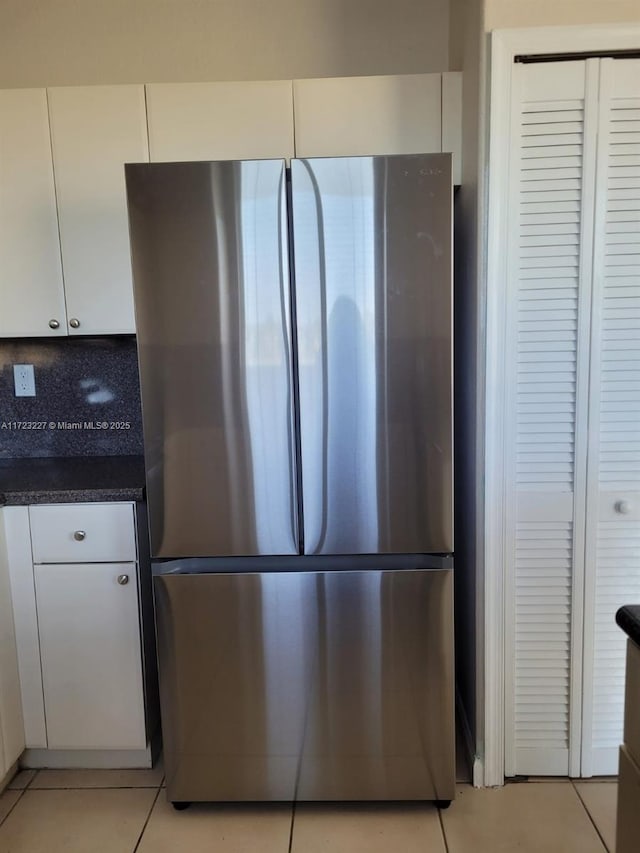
(440,804)
(180,807)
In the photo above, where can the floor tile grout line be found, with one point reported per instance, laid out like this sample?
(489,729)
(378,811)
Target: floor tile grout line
(28,785)
(148,818)
(96,788)
(595,826)
(442,830)
(293,817)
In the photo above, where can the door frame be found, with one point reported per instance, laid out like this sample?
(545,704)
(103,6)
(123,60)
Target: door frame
(504,46)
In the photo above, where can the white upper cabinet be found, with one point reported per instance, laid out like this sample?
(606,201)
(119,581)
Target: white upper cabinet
(220,121)
(31,292)
(76,222)
(351,116)
(95,130)
(65,266)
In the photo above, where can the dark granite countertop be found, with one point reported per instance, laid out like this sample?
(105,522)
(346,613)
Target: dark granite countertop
(70,479)
(628,618)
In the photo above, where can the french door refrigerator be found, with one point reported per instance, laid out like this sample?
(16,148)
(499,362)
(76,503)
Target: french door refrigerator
(295,348)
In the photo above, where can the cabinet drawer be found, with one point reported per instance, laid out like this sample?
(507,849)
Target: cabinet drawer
(83,533)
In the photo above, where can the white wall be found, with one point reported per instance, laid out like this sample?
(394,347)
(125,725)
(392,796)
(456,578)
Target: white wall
(542,13)
(70,42)
(458,13)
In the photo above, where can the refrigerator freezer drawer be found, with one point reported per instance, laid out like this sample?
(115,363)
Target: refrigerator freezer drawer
(333,685)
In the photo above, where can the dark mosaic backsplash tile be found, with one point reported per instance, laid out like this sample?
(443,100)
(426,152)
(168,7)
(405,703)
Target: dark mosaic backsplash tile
(82,384)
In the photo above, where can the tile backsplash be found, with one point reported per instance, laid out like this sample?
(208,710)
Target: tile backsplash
(87,399)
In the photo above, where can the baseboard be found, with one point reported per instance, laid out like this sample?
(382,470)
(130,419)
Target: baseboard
(477,777)
(94,759)
(473,760)
(8,776)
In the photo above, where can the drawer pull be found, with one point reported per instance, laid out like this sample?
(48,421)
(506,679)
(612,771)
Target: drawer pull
(79,535)
(123,580)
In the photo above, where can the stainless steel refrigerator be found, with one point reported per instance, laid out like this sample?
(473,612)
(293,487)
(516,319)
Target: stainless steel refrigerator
(295,347)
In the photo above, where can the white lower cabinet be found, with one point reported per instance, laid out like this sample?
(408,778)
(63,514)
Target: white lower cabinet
(87,680)
(91,656)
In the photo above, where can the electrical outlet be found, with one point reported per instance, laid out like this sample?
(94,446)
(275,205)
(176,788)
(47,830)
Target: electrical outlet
(24,380)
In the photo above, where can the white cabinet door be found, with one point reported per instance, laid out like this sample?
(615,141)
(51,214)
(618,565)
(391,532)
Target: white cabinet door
(95,130)
(342,116)
(613,493)
(220,121)
(91,658)
(31,292)
(12,740)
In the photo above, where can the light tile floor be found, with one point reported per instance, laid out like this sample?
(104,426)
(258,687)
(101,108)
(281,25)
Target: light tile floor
(110,811)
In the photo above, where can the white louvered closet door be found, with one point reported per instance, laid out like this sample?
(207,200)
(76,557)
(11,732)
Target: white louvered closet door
(612,559)
(549,271)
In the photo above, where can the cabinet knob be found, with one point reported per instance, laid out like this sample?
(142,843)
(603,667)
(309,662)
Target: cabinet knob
(79,535)
(623,507)
(123,580)
(74,323)
(54,324)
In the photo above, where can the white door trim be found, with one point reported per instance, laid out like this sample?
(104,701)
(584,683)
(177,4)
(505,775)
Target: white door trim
(504,46)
